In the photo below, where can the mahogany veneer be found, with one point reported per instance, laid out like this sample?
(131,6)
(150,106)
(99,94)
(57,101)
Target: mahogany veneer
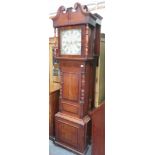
(72,133)
(77,75)
(76,93)
(53,108)
(98,130)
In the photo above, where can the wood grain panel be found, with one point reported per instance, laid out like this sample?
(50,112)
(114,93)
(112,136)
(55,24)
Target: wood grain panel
(70,86)
(71,132)
(98,130)
(53,109)
(68,134)
(70,108)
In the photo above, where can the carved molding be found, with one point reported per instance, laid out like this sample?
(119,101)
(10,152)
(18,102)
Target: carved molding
(83,76)
(91,7)
(67,16)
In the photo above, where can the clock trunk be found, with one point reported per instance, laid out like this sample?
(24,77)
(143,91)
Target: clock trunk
(76,94)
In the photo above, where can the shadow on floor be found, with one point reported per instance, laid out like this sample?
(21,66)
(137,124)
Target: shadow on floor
(57,150)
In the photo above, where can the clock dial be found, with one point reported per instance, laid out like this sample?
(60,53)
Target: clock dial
(71,42)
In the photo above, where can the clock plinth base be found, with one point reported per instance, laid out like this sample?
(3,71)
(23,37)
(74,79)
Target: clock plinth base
(71,132)
(70,149)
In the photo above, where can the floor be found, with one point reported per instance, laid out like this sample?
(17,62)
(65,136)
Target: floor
(56,150)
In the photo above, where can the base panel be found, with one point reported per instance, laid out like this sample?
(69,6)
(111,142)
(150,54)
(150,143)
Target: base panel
(72,133)
(70,149)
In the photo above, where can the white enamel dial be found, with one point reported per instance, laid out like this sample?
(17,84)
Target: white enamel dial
(71,42)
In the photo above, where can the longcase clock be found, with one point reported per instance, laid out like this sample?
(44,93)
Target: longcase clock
(78,33)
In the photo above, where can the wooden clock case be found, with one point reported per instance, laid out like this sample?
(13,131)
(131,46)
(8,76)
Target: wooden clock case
(77,76)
